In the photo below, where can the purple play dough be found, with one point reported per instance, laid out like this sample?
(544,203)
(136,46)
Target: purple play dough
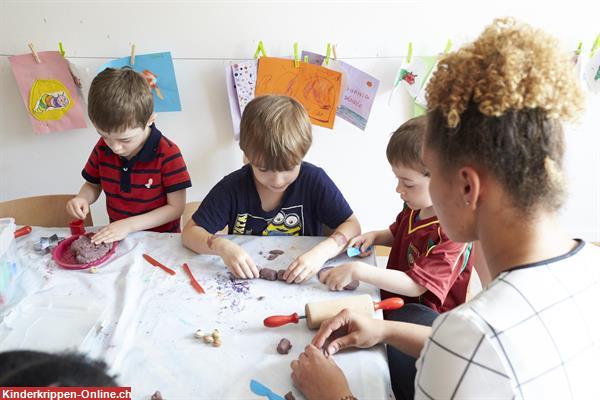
(85,251)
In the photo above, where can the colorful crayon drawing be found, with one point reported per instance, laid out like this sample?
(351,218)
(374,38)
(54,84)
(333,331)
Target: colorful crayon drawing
(244,76)
(48,91)
(315,87)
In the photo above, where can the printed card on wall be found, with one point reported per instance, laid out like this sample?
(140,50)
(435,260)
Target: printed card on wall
(315,87)
(234,106)
(158,70)
(357,95)
(48,91)
(244,76)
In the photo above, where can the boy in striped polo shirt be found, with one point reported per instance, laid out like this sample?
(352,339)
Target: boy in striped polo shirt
(141,172)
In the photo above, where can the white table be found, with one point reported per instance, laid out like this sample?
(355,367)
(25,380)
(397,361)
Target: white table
(141,320)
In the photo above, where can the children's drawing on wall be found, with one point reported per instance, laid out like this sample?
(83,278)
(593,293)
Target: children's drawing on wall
(413,76)
(592,72)
(234,105)
(358,93)
(48,91)
(159,72)
(244,76)
(315,87)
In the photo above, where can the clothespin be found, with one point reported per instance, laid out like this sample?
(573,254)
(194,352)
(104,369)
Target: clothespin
(34,53)
(296,59)
(60,48)
(409,55)
(132,56)
(333,49)
(448,46)
(306,59)
(328,54)
(579,48)
(595,46)
(260,49)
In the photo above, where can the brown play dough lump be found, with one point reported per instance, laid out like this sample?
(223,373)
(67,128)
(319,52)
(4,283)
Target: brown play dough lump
(351,286)
(268,274)
(284,346)
(85,251)
(289,396)
(280,275)
(273,254)
(156,396)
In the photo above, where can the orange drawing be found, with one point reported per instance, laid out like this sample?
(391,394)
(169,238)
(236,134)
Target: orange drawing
(315,87)
(151,78)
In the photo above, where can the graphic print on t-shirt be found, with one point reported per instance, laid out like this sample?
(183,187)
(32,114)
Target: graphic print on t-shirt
(288,221)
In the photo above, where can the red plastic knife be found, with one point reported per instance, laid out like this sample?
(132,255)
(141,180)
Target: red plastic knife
(157,264)
(193,280)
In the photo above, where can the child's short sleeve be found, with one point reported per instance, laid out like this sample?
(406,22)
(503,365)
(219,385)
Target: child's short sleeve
(331,207)
(91,171)
(436,270)
(175,175)
(213,212)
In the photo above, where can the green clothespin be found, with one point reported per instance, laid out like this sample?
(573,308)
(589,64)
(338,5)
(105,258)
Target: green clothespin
(328,54)
(60,48)
(409,55)
(595,46)
(579,48)
(448,46)
(306,59)
(296,59)
(260,49)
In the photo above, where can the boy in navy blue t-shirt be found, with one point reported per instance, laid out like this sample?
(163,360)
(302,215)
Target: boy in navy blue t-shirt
(276,193)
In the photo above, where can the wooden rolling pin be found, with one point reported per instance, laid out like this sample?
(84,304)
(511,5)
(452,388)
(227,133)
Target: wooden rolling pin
(319,311)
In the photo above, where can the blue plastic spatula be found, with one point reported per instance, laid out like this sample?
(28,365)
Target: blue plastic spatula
(261,390)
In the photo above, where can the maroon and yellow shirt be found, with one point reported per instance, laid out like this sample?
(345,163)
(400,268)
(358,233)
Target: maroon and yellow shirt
(137,186)
(422,250)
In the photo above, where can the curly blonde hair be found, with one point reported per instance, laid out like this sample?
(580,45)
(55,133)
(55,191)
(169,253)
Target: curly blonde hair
(511,66)
(498,103)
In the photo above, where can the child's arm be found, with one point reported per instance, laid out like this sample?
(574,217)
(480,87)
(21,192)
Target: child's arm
(120,229)
(309,263)
(237,260)
(79,206)
(387,279)
(384,237)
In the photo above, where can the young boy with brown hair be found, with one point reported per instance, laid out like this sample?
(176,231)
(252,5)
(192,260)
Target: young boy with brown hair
(141,172)
(276,193)
(424,266)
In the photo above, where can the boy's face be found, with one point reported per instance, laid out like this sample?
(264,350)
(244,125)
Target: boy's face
(275,181)
(412,186)
(127,143)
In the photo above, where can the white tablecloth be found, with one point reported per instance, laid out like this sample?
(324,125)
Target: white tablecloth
(141,320)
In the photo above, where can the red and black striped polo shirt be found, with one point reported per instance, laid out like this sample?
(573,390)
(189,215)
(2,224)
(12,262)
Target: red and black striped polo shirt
(140,185)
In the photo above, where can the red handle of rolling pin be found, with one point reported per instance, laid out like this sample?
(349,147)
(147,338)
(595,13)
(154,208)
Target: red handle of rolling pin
(393,303)
(278,320)
(25,230)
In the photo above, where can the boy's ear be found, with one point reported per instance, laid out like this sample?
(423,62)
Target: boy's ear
(470,184)
(151,120)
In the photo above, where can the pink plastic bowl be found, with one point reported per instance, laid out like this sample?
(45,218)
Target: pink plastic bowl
(65,258)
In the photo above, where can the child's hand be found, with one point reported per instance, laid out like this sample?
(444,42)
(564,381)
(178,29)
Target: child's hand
(238,261)
(304,267)
(339,277)
(78,207)
(363,242)
(113,232)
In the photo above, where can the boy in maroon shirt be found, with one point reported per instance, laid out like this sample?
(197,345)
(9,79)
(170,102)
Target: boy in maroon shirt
(424,266)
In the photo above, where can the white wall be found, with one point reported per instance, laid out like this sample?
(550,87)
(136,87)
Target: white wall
(204,36)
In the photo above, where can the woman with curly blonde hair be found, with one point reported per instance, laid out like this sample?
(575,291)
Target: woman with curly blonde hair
(494,148)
